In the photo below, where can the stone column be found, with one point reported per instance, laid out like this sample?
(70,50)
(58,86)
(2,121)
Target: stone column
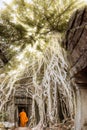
(81,112)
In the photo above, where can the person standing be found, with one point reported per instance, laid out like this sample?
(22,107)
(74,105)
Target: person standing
(23,118)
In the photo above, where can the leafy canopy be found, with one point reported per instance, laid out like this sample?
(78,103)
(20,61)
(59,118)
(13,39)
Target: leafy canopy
(30,24)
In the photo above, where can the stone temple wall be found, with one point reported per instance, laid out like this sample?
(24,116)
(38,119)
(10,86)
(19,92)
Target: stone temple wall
(76,45)
(76,40)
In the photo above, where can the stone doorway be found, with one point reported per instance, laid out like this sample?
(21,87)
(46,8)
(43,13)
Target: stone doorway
(26,109)
(22,100)
(20,103)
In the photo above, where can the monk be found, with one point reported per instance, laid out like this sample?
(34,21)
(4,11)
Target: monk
(23,118)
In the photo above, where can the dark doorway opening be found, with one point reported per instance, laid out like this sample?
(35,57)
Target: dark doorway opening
(22,103)
(20,107)
(23,107)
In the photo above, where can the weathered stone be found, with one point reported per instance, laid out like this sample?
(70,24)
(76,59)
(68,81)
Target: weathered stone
(80,47)
(76,40)
(74,37)
(80,64)
(85,17)
(72,20)
(76,44)
(79,18)
(22,128)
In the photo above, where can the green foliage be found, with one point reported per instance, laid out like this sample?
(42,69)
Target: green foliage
(3,116)
(23,23)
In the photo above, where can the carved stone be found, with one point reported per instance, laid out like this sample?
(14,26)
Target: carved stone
(76,45)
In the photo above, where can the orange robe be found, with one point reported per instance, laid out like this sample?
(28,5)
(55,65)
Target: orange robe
(23,119)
